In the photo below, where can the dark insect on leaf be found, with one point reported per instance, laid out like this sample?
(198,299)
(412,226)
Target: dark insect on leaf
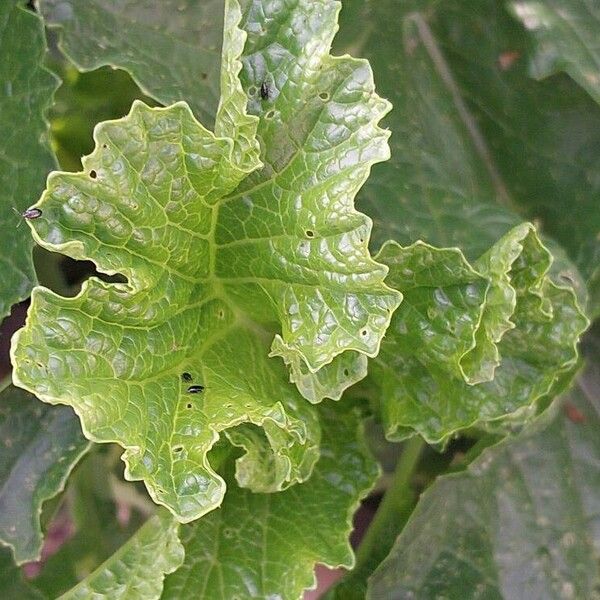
(265,90)
(30,213)
(186,377)
(195,389)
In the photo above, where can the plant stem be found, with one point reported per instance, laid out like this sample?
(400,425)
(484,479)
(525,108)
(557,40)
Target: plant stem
(394,509)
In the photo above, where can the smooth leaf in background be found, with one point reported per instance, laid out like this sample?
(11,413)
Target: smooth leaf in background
(137,570)
(170,48)
(472,344)
(26,90)
(39,446)
(520,522)
(12,583)
(266,545)
(210,267)
(477,144)
(566,36)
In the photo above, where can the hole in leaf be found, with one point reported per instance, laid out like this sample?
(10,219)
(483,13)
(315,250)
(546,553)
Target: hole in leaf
(177,449)
(221,314)
(346,373)
(188,405)
(93,174)
(310,233)
(364,332)
(324,96)
(270,114)
(105,146)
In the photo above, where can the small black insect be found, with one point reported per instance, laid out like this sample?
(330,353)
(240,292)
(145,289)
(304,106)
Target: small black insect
(265,90)
(195,389)
(186,377)
(30,213)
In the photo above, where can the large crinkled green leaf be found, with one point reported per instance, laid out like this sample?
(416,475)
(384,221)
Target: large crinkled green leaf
(520,522)
(26,90)
(471,344)
(171,48)
(476,142)
(138,569)
(266,546)
(213,256)
(39,446)
(566,35)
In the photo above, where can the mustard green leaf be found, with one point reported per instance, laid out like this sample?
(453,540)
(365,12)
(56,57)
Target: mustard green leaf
(39,446)
(137,570)
(26,91)
(472,344)
(520,522)
(216,249)
(171,49)
(266,546)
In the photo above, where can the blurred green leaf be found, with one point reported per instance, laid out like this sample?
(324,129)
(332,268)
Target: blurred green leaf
(476,142)
(137,570)
(11,580)
(267,545)
(170,48)
(520,522)
(39,446)
(26,90)
(566,36)
(83,100)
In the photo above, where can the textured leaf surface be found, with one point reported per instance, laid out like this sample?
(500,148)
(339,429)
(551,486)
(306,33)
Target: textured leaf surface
(472,344)
(266,546)
(475,141)
(566,35)
(26,90)
(171,48)
(521,522)
(39,446)
(213,256)
(137,570)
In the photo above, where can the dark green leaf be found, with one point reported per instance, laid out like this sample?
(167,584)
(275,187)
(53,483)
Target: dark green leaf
(39,446)
(521,522)
(566,35)
(12,585)
(476,141)
(26,90)
(171,48)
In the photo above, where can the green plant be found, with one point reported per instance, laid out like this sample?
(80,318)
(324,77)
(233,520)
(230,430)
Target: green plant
(218,311)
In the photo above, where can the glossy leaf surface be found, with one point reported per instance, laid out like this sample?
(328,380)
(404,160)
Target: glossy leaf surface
(26,90)
(215,249)
(471,344)
(266,545)
(39,446)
